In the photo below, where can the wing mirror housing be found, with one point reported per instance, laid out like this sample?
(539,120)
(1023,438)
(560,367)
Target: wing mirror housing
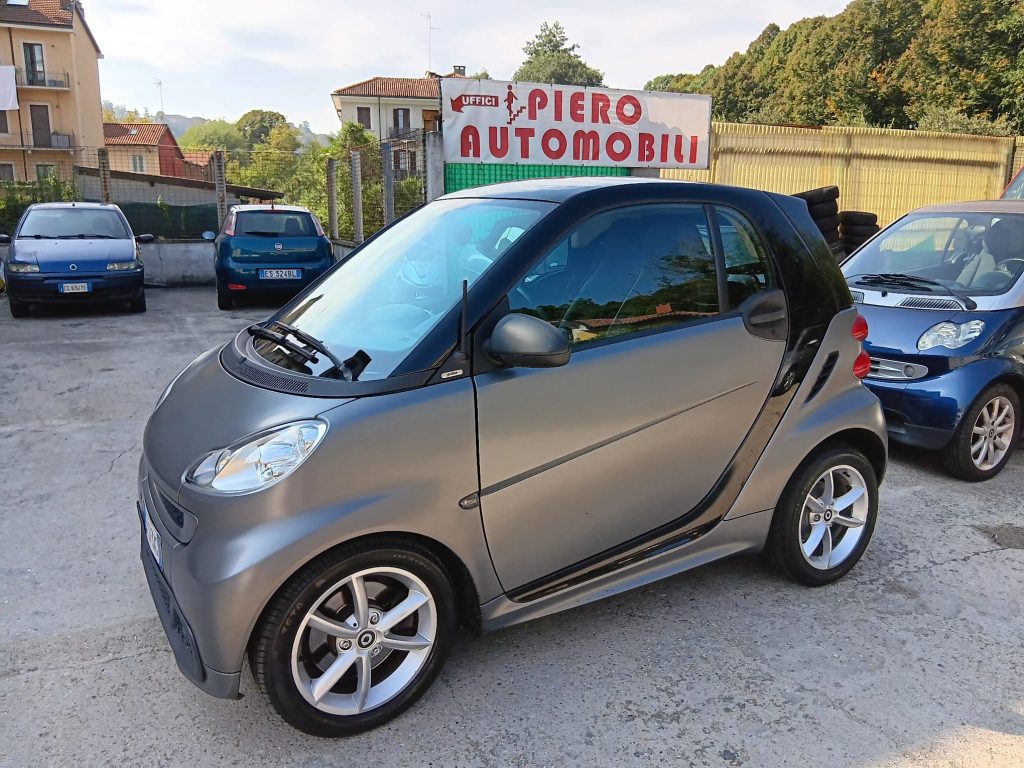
(525,341)
(5,239)
(209,235)
(144,238)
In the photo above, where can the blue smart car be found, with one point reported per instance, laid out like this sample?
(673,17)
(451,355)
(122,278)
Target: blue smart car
(268,249)
(64,252)
(942,292)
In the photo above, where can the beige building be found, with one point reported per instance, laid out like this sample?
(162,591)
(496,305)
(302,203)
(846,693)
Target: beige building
(56,61)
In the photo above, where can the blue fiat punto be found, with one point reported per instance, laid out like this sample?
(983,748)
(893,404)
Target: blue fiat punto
(942,292)
(268,249)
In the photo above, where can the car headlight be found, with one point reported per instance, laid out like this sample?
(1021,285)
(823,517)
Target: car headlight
(121,266)
(950,335)
(15,266)
(260,460)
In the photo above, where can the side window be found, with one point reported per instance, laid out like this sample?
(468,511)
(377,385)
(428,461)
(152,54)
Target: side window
(629,270)
(747,267)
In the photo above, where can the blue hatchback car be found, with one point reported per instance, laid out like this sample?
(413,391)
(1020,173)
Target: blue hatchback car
(268,249)
(943,295)
(64,252)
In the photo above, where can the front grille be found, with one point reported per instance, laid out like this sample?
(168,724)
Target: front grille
(270,381)
(921,302)
(896,370)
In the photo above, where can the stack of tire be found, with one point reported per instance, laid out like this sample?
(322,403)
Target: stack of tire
(823,204)
(856,227)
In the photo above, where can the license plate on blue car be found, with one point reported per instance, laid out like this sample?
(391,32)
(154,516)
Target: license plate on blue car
(74,287)
(280,274)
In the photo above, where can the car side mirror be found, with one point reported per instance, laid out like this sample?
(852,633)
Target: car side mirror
(144,238)
(525,341)
(5,239)
(209,235)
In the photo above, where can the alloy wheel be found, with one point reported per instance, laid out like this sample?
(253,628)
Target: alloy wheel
(364,641)
(992,433)
(833,517)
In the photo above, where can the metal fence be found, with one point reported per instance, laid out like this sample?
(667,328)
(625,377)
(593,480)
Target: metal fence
(176,195)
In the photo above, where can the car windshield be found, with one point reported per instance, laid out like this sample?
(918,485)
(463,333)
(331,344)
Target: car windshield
(1016,189)
(275,224)
(946,253)
(397,287)
(74,222)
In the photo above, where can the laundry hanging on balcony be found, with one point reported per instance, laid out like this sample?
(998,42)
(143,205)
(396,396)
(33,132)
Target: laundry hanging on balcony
(8,89)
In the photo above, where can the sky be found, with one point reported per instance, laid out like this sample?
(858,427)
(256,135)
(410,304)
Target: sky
(220,58)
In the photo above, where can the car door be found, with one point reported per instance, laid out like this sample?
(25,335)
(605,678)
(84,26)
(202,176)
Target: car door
(663,385)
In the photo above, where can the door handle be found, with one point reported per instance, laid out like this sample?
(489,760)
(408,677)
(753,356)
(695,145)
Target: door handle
(767,317)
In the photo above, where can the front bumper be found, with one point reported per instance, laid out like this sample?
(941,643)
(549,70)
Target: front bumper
(105,286)
(223,685)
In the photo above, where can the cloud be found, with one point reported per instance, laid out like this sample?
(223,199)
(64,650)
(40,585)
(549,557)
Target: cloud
(222,58)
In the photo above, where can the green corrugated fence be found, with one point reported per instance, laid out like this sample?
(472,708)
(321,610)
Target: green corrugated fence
(459,176)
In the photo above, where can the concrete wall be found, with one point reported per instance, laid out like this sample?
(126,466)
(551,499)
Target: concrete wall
(186,262)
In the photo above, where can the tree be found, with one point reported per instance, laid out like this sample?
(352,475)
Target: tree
(483,74)
(551,59)
(215,134)
(256,125)
(119,113)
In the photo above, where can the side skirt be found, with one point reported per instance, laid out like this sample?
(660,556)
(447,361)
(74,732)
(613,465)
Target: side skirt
(729,537)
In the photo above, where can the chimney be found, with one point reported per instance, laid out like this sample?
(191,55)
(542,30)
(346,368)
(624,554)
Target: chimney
(459,70)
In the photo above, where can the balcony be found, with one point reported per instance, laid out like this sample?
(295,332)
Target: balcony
(36,79)
(51,140)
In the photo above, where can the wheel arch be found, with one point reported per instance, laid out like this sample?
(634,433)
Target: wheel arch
(864,440)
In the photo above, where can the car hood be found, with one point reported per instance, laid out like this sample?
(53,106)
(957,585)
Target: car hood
(206,408)
(85,255)
(896,330)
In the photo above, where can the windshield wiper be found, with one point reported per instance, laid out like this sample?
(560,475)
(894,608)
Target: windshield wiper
(84,236)
(259,332)
(310,341)
(914,281)
(348,370)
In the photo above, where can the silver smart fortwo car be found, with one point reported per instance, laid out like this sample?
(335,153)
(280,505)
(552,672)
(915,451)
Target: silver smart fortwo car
(516,400)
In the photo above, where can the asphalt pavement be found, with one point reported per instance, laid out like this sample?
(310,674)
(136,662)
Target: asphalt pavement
(915,659)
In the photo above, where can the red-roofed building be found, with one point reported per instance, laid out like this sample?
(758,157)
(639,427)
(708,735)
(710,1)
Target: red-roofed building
(51,107)
(393,106)
(148,148)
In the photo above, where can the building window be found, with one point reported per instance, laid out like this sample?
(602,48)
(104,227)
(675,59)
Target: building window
(35,71)
(6,171)
(45,171)
(138,164)
(3,123)
(363,116)
(401,120)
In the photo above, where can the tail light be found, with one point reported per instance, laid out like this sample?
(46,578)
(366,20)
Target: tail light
(859,331)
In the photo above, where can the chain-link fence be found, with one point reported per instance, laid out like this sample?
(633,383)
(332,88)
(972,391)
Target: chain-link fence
(179,195)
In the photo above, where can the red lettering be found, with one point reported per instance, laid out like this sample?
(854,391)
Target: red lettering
(553,134)
(664,149)
(576,107)
(645,153)
(618,155)
(558,106)
(635,111)
(599,108)
(537,100)
(693,150)
(524,135)
(469,142)
(679,150)
(586,145)
(498,141)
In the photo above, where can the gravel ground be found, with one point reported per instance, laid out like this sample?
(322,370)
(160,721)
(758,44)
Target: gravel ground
(913,660)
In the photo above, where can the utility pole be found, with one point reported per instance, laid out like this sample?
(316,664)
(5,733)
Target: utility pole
(430,36)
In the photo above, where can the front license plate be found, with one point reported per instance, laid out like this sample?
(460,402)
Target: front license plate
(153,539)
(75,287)
(280,274)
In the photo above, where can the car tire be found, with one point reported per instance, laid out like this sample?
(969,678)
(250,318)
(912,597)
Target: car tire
(819,551)
(859,218)
(225,301)
(288,654)
(18,308)
(863,231)
(830,224)
(1000,435)
(824,210)
(820,195)
(139,302)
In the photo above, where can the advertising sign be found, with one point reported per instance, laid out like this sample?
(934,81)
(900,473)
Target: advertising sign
(490,121)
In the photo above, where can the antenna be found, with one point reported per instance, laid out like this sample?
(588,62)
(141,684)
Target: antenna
(430,36)
(160,87)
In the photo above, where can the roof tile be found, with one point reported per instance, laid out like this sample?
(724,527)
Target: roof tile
(39,12)
(133,134)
